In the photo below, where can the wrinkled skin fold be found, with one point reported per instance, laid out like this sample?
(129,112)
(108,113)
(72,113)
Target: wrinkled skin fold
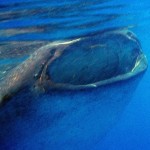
(86,62)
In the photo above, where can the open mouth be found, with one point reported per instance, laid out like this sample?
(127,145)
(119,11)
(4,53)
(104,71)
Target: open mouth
(96,60)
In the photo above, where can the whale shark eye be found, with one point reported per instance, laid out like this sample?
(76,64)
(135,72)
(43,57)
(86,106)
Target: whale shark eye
(129,33)
(52,51)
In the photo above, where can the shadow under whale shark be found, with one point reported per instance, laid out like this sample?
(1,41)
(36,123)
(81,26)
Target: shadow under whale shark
(63,119)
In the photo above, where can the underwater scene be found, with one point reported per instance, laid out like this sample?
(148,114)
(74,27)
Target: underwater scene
(74,75)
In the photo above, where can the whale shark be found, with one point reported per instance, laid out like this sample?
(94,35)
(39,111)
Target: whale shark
(85,62)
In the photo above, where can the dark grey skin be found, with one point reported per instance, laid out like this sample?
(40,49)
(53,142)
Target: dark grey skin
(25,73)
(33,71)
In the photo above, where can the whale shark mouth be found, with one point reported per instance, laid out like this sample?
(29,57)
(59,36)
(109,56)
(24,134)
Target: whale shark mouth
(96,60)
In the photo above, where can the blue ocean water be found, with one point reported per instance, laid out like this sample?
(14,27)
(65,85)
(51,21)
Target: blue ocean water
(113,117)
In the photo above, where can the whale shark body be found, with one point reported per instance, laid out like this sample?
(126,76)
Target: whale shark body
(86,62)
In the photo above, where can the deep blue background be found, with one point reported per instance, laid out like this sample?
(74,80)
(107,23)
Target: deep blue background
(114,117)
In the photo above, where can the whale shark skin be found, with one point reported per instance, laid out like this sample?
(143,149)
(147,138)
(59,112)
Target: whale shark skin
(81,63)
(24,74)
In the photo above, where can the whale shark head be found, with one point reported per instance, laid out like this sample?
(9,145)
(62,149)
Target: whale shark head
(86,62)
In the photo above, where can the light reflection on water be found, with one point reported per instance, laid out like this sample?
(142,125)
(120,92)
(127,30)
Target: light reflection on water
(50,20)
